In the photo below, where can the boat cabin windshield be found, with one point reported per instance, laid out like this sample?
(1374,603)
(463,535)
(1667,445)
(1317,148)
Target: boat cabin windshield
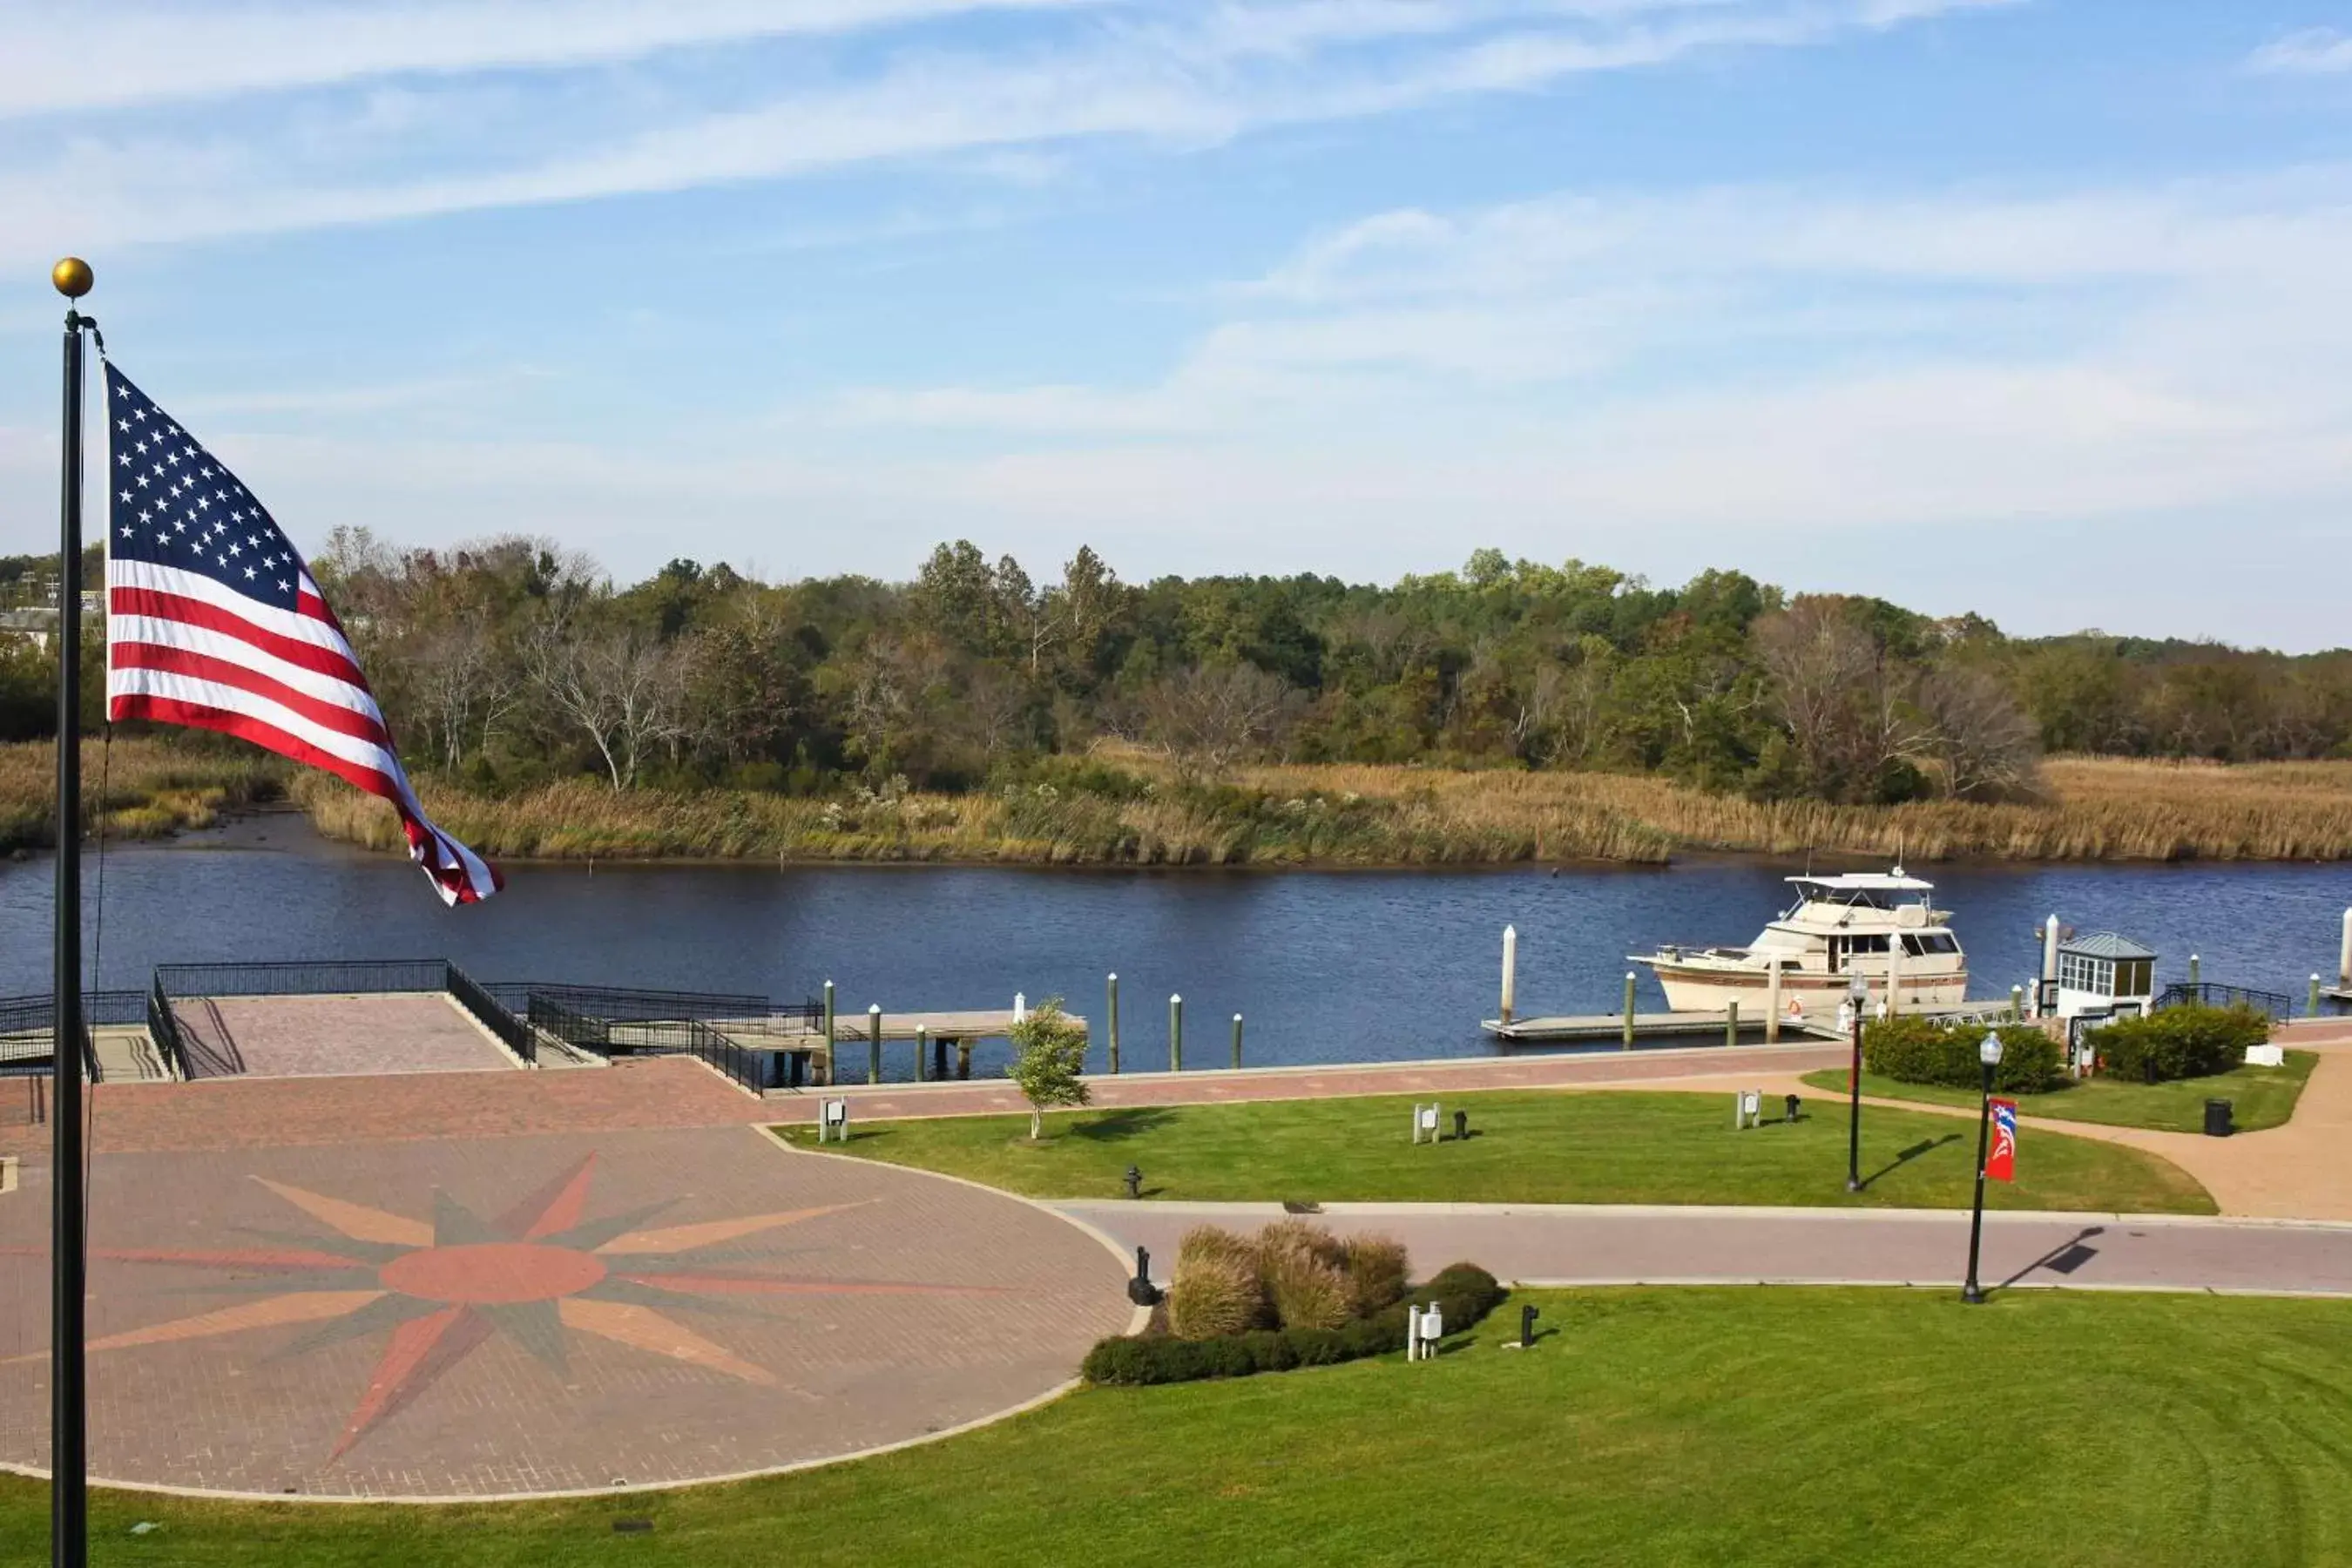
(1849,895)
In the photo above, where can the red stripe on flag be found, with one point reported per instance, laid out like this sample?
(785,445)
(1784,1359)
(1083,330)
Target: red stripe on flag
(207,666)
(196,715)
(166,606)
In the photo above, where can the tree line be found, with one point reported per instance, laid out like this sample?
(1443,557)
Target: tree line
(512,661)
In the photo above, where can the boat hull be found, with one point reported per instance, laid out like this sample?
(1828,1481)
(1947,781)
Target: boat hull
(1712,989)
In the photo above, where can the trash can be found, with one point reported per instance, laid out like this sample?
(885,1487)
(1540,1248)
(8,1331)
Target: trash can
(2217,1119)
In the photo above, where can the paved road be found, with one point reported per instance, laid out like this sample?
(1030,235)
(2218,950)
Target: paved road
(1600,1244)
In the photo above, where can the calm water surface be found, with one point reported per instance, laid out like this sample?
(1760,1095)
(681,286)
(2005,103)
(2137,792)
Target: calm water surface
(1327,966)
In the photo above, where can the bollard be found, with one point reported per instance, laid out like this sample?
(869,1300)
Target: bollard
(1175,1033)
(1731,1026)
(1110,1020)
(1139,1288)
(1510,970)
(1527,1328)
(922,1045)
(1237,1039)
(873,1043)
(830,1075)
(1462,1126)
(1629,1009)
(1134,1180)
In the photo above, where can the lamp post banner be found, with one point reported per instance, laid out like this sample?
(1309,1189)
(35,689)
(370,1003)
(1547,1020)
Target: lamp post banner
(2000,1163)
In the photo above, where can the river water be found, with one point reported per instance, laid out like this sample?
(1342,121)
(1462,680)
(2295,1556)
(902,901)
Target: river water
(1327,966)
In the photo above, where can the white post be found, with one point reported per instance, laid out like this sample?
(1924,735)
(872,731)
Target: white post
(1893,972)
(1020,1006)
(1772,1003)
(2344,958)
(1511,964)
(2050,948)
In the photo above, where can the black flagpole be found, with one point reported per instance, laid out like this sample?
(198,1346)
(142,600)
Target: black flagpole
(69,1430)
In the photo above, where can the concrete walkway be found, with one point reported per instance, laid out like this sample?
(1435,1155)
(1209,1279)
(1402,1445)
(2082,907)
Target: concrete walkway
(2300,1170)
(1542,1243)
(1691,1067)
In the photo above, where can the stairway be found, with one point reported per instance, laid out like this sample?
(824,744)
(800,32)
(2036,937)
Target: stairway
(128,1056)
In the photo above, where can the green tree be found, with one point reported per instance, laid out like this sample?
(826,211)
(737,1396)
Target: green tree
(1049,1052)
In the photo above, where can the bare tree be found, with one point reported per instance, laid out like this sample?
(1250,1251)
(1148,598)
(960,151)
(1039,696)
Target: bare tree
(619,683)
(458,674)
(1842,696)
(1210,718)
(1987,746)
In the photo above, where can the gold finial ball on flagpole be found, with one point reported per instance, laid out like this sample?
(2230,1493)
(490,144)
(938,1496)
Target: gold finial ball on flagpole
(72,277)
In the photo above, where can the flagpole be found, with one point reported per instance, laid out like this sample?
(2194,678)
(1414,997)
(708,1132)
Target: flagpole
(69,1430)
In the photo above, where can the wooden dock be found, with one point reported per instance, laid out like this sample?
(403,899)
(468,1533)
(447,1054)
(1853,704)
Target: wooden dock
(1595,1027)
(794,1033)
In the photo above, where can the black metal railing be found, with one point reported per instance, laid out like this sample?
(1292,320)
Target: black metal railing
(317,977)
(28,1028)
(575,1028)
(629,1004)
(748,1067)
(164,1028)
(2277,1004)
(490,1012)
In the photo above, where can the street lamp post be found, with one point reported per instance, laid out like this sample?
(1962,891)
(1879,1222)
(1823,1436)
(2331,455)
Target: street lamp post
(1857,993)
(1989,1054)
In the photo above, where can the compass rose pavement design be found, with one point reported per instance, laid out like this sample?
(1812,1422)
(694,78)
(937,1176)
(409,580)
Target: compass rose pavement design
(536,1314)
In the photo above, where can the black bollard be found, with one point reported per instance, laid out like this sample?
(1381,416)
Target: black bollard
(1527,1328)
(1138,1290)
(1795,1105)
(1134,1182)
(1460,1126)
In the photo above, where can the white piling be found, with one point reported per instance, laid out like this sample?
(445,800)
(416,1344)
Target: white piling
(2343,957)
(1511,964)
(1020,1006)
(1772,1003)
(1893,972)
(2050,948)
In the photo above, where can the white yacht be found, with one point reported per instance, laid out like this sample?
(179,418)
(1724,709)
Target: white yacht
(1880,925)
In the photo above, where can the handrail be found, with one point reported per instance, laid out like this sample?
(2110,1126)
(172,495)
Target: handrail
(2211,994)
(164,1028)
(493,1016)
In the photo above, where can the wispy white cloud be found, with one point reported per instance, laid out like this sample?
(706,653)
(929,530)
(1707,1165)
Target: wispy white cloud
(1153,71)
(70,58)
(2313,51)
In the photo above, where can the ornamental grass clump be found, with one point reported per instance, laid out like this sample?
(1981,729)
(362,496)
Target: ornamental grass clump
(1377,1272)
(1217,1290)
(1306,1274)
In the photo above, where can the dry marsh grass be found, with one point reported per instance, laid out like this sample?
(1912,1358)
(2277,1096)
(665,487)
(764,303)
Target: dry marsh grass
(2095,809)
(151,789)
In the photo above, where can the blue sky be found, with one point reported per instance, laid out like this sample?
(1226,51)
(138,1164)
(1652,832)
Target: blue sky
(2033,307)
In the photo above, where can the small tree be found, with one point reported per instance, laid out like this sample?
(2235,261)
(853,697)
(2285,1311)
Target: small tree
(1049,1051)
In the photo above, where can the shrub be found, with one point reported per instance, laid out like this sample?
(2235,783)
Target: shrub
(1465,1293)
(1376,1273)
(1307,1289)
(1914,1050)
(1217,1290)
(2190,1041)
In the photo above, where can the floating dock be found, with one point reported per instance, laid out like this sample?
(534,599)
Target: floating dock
(1566,1030)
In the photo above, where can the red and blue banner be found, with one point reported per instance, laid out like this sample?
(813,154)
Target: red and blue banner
(2001,1159)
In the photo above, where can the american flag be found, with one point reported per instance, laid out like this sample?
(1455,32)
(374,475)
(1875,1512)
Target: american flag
(214,622)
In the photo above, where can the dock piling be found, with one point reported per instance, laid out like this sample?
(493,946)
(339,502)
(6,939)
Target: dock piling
(1110,1018)
(1175,1033)
(1629,1009)
(1772,1003)
(873,1043)
(2017,1003)
(2313,1008)
(2343,955)
(1237,1039)
(1731,1024)
(1511,968)
(922,1046)
(2192,971)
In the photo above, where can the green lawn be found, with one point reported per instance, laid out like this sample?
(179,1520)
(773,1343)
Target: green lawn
(1605,1148)
(2261,1097)
(1667,1427)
